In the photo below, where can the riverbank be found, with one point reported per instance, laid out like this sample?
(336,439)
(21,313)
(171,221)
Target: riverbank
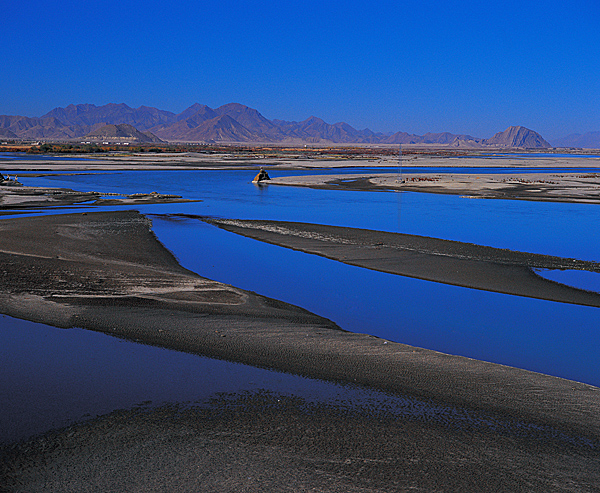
(253,160)
(562,186)
(554,187)
(430,259)
(18,198)
(522,430)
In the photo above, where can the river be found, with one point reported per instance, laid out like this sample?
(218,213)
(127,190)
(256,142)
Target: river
(51,377)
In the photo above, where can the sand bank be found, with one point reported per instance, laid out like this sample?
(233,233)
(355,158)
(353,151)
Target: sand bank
(20,197)
(555,187)
(260,441)
(431,259)
(290,160)
(80,270)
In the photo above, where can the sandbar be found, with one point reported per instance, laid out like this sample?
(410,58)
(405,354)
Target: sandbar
(583,187)
(432,259)
(78,270)
(245,158)
(19,198)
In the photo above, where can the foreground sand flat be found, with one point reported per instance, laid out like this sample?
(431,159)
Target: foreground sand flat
(523,430)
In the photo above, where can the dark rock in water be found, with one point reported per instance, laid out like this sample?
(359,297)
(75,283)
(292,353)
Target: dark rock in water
(7,181)
(262,176)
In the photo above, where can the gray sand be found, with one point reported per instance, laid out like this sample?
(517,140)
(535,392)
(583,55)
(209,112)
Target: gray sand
(18,198)
(269,442)
(553,187)
(432,259)
(80,270)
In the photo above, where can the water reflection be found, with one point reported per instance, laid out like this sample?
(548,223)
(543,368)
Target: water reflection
(51,377)
(553,338)
(589,281)
(543,336)
(561,229)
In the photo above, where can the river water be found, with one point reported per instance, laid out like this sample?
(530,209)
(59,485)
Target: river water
(50,377)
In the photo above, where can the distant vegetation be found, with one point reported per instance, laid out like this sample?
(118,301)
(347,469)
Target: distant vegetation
(251,152)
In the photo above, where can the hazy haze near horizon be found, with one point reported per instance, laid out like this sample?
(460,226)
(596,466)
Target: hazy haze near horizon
(458,66)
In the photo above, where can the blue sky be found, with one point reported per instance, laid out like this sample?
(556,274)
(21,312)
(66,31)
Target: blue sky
(473,67)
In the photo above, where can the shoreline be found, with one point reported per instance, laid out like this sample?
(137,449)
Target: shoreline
(140,295)
(256,160)
(431,259)
(554,187)
(16,199)
(145,295)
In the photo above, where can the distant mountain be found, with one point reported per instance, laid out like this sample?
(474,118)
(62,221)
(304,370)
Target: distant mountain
(7,134)
(518,137)
(314,129)
(445,138)
(252,120)
(179,130)
(428,138)
(196,109)
(222,128)
(589,140)
(234,122)
(184,129)
(80,114)
(88,115)
(39,128)
(122,132)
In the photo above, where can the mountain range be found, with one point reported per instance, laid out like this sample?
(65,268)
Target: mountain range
(121,132)
(589,140)
(231,122)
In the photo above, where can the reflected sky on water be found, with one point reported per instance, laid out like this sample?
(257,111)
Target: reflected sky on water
(547,337)
(562,229)
(517,331)
(50,378)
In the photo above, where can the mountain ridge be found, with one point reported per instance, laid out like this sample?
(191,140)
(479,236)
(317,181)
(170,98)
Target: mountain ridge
(518,136)
(122,131)
(235,122)
(588,140)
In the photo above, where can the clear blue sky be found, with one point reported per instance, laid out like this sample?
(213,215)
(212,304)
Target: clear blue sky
(472,67)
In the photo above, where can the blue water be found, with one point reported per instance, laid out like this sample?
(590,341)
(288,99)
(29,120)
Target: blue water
(553,338)
(561,229)
(494,327)
(589,281)
(51,378)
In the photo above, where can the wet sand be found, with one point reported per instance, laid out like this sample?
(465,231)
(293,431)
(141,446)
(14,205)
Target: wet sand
(526,431)
(18,198)
(580,186)
(431,259)
(269,442)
